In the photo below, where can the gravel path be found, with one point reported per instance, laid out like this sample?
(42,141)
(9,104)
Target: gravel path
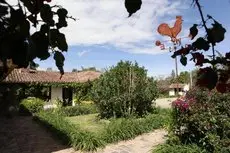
(165,102)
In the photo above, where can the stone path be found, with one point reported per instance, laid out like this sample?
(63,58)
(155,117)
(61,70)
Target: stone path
(141,144)
(23,135)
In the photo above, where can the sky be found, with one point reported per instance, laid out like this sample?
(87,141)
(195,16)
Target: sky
(103,35)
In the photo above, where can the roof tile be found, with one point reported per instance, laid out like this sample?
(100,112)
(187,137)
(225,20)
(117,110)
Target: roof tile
(33,76)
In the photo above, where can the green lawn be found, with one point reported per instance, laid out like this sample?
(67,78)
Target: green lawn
(89,122)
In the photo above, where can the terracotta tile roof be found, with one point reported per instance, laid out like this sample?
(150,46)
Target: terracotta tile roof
(33,76)
(177,85)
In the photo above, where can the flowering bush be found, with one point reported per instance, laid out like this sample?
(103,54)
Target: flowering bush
(181,105)
(203,117)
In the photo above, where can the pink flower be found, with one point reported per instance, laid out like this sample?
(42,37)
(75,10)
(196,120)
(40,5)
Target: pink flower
(181,104)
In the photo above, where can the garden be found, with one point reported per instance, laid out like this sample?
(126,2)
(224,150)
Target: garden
(122,107)
(115,114)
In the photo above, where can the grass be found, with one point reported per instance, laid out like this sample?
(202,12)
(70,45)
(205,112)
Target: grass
(89,122)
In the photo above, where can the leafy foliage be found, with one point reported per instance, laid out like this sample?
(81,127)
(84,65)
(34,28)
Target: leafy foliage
(203,118)
(83,92)
(29,90)
(81,109)
(15,25)
(31,105)
(124,90)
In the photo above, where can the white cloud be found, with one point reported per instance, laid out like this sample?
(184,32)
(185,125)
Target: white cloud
(81,53)
(105,22)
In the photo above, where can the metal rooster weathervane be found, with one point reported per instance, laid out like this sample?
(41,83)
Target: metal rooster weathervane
(171,32)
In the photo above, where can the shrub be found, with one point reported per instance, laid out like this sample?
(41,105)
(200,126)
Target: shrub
(80,109)
(69,133)
(203,118)
(30,106)
(124,90)
(166,148)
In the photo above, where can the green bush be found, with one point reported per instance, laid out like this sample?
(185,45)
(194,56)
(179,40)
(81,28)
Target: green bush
(31,105)
(81,109)
(69,133)
(124,90)
(203,118)
(166,148)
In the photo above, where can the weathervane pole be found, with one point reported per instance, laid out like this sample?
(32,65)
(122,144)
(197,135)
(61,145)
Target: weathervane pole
(176,66)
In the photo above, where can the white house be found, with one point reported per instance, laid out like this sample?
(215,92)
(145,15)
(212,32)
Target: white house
(59,87)
(178,87)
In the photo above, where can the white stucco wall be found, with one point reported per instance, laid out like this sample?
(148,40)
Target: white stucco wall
(171,93)
(56,93)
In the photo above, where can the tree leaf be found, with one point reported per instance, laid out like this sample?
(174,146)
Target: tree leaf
(25,28)
(62,13)
(41,43)
(59,60)
(182,51)
(193,31)
(44,28)
(47,14)
(19,55)
(61,42)
(183,60)
(200,44)
(207,77)
(53,37)
(198,58)
(216,33)
(3,10)
(61,23)
(16,17)
(132,6)
(3,1)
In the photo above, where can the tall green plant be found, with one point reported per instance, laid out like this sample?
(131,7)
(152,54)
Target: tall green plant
(124,90)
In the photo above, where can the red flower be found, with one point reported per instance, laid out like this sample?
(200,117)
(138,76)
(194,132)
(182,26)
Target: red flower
(180,104)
